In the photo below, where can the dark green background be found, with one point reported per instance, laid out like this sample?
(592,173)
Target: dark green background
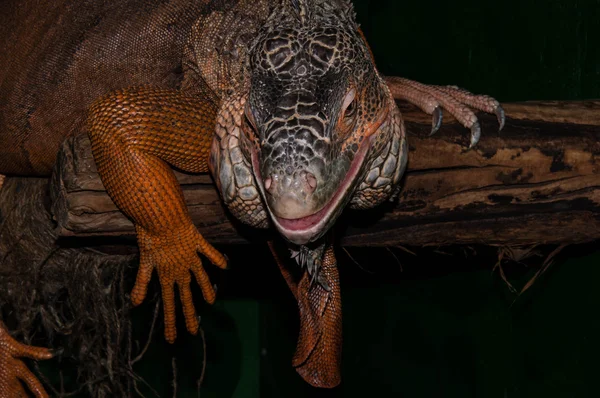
(431,325)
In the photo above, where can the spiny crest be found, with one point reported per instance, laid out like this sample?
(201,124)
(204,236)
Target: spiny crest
(301,10)
(307,11)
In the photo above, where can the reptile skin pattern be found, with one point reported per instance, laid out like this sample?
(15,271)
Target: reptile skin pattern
(135,135)
(321,112)
(279,99)
(319,349)
(13,372)
(453,99)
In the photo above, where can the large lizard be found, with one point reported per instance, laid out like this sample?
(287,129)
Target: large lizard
(280,100)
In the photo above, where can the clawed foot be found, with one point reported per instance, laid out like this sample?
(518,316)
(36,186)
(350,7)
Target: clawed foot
(13,370)
(174,254)
(457,101)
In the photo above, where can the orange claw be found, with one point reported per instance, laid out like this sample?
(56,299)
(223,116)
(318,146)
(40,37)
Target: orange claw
(174,254)
(12,369)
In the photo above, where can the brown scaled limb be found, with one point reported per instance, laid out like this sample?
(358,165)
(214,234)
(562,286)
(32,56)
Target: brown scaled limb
(319,349)
(135,135)
(432,99)
(13,372)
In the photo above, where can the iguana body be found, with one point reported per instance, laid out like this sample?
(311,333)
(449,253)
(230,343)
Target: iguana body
(280,100)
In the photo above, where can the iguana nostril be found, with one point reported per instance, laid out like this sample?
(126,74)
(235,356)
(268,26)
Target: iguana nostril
(312,182)
(300,184)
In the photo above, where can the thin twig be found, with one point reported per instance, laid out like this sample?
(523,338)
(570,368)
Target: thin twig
(141,354)
(356,262)
(397,259)
(201,379)
(135,387)
(406,250)
(543,268)
(137,378)
(501,271)
(174,366)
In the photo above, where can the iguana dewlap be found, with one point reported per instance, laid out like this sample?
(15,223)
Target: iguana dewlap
(281,100)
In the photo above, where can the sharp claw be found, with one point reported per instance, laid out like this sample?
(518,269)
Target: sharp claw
(324,284)
(227,263)
(436,121)
(500,115)
(475,134)
(57,351)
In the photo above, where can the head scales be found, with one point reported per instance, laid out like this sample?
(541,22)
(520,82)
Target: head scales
(308,65)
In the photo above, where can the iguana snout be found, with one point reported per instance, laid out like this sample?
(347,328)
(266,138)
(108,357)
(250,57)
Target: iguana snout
(295,153)
(291,192)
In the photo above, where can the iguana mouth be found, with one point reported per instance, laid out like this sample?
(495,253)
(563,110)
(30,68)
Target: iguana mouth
(310,228)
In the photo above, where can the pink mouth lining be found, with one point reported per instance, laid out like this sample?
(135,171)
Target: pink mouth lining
(299,224)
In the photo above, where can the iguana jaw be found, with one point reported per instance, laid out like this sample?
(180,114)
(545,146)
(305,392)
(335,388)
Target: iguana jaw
(310,228)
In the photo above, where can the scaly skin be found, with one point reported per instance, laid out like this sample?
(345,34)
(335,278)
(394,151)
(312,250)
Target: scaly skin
(280,99)
(135,135)
(319,349)
(431,99)
(13,371)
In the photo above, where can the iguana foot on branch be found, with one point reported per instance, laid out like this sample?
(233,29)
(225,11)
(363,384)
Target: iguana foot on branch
(431,99)
(135,135)
(13,371)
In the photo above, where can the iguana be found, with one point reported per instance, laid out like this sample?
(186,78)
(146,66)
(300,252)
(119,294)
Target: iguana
(279,100)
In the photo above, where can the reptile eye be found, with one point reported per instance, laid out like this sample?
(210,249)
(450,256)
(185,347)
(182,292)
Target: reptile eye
(350,105)
(351,109)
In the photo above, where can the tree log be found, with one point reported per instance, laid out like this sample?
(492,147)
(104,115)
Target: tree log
(536,182)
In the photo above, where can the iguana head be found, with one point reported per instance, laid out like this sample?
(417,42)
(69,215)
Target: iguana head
(321,127)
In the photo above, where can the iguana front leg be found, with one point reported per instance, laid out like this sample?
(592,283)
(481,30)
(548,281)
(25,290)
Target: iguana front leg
(135,135)
(319,348)
(13,370)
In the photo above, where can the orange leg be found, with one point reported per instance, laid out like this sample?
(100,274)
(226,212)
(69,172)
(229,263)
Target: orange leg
(13,371)
(135,135)
(319,349)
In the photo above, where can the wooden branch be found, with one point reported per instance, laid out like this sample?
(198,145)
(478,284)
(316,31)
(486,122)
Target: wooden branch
(538,181)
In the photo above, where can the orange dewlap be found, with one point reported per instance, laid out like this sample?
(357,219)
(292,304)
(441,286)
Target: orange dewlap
(319,349)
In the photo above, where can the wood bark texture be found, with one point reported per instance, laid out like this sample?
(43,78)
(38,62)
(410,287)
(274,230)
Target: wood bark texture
(536,182)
